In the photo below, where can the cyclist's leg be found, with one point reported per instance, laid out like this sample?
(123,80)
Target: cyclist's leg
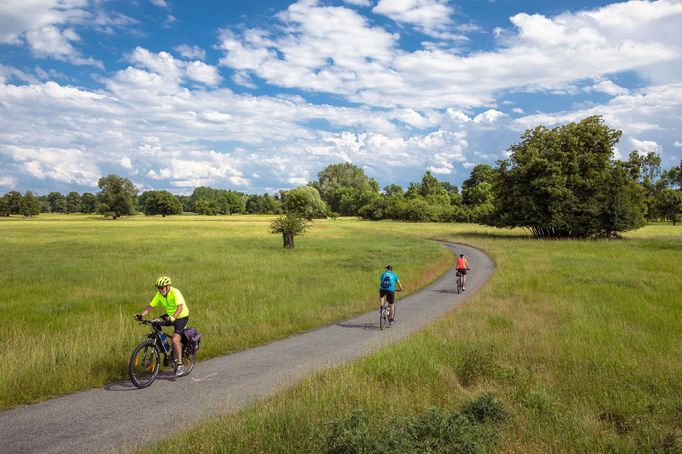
(391,302)
(177,348)
(179,326)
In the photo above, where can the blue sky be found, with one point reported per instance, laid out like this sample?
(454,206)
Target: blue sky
(261,96)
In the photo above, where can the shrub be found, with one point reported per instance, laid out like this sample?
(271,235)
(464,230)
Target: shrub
(473,429)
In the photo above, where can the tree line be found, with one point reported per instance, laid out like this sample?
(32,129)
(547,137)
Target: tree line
(560,182)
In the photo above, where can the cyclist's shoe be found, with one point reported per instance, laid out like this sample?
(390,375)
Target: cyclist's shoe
(464,288)
(180,370)
(390,322)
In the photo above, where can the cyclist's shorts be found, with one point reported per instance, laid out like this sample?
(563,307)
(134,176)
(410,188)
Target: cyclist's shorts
(462,271)
(180,324)
(390,296)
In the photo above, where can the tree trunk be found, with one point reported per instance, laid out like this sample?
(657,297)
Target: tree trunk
(288,240)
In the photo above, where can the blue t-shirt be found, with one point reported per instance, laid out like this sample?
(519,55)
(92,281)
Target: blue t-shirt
(388,279)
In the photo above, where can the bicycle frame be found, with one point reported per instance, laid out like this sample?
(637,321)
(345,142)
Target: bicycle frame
(155,337)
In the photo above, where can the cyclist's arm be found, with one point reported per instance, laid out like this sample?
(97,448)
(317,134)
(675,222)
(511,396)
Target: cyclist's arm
(152,304)
(400,286)
(146,310)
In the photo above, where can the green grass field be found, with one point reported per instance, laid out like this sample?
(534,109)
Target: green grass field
(579,341)
(70,286)
(572,346)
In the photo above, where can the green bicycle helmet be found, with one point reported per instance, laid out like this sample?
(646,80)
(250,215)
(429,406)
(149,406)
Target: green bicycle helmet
(163,281)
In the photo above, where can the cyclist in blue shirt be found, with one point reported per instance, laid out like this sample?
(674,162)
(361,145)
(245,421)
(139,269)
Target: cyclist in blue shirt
(387,290)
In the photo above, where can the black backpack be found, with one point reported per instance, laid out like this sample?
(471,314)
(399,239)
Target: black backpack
(191,337)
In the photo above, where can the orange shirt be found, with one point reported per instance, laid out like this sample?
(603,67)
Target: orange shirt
(462,263)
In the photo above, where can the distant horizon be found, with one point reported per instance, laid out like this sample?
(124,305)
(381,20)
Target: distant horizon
(257,98)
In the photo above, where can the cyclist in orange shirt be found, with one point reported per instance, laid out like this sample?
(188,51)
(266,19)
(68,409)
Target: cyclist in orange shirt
(462,267)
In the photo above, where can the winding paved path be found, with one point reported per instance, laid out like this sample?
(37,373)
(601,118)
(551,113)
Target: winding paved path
(120,417)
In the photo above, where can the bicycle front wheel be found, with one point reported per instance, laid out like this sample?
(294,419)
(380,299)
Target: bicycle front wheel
(383,317)
(144,364)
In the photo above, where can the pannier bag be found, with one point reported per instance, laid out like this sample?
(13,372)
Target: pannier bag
(192,339)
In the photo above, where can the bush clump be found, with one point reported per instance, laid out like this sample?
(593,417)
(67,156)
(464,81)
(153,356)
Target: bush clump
(473,429)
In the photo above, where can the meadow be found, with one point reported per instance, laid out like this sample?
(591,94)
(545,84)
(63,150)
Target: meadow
(70,285)
(572,346)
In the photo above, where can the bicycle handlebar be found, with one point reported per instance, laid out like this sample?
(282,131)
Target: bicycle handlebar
(156,321)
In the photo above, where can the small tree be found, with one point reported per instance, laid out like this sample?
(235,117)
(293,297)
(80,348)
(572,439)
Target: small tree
(289,225)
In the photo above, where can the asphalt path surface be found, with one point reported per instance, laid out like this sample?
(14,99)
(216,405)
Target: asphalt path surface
(119,417)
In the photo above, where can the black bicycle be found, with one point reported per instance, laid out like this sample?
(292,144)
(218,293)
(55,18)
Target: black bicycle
(146,361)
(460,283)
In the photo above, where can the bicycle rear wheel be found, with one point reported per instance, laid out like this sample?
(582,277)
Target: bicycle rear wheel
(383,317)
(144,364)
(188,360)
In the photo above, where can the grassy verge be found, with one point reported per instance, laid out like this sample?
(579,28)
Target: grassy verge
(578,344)
(70,285)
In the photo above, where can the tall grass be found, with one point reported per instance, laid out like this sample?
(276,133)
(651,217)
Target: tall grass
(70,285)
(581,342)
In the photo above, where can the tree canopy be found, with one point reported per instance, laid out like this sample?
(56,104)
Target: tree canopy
(117,196)
(306,202)
(30,205)
(345,188)
(563,183)
(159,202)
(211,201)
(289,225)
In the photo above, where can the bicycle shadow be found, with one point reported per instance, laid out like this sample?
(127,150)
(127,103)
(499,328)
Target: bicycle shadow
(366,326)
(445,291)
(127,385)
(120,386)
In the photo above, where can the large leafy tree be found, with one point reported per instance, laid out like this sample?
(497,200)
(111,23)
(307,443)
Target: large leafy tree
(206,200)
(88,202)
(159,202)
(263,204)
(73,202)
(646,170)
(670,205)
(117,196)
(672,177)
(477,192)
(345,188)
(56,202)
(306,202)
(563,183)
(14,199)
(30,205)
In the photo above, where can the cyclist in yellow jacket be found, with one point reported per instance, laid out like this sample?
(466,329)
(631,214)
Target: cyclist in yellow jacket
(177,313)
